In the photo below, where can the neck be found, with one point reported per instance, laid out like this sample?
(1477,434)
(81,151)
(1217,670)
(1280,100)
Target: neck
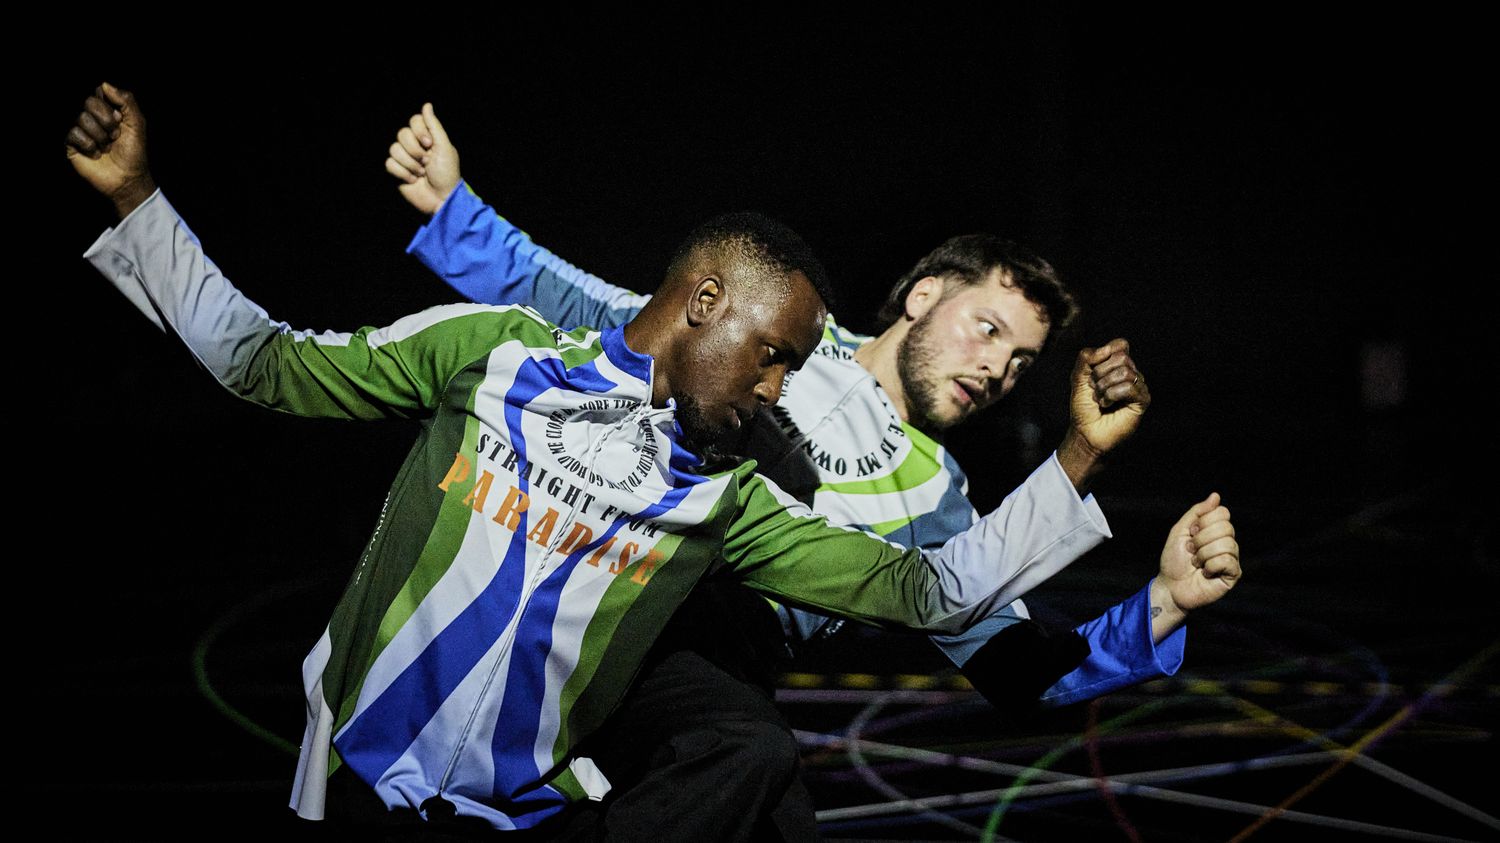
(878,357)
(645,335)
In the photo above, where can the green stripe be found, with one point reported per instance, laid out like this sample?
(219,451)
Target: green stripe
(614,605)
(921,465)
(435,556)
(566,782)
(820,566)
(404,378)
(885,528)
(572,357)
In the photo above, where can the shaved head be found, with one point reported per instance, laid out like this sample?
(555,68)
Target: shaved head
(743,304)
(765,246)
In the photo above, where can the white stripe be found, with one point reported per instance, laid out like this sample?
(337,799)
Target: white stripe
(310,786)
(409,326)
(576,605)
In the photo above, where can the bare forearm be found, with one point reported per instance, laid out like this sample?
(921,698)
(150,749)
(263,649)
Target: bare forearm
(132,194)
(1165,614)
(1079,461)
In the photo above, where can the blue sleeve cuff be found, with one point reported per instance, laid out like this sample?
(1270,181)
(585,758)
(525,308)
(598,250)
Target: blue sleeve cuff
(1121,653)
(476,251)
(462,203)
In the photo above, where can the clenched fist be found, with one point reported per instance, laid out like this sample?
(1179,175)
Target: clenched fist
(107,146)
(424,160)
(1108,399)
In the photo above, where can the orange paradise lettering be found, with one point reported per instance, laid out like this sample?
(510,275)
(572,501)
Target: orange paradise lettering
(580,535)
(624,558)
(647,566)
(599,554)
(515,503)
(481,490)
(458,472)
(542,533)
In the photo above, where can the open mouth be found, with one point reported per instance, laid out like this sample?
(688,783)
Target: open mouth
(970,390)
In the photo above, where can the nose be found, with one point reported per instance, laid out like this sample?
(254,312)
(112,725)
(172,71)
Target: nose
(1004,385)
(994,359)
(768,391)
(995,363)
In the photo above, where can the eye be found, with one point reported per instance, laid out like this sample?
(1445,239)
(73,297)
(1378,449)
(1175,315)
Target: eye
(988,328)
(1020,364)
(772,356)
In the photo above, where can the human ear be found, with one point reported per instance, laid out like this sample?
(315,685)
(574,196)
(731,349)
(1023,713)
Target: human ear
(708,295)
(922,296)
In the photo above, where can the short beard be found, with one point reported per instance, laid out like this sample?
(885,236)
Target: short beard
(914,361)
(713,448)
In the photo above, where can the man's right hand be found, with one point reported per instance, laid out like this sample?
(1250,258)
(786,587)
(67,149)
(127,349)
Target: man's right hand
(425,161)
(1109,398)
(107,146)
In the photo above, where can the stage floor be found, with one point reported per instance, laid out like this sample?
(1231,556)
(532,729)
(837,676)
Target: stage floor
(1345,691)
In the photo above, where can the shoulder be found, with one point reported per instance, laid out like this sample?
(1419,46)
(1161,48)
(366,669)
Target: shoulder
(839,342)
(498,322)
(831,362)
(477,330)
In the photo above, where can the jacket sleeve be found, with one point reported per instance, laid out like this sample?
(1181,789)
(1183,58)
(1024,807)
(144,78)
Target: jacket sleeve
(396,371)
(488,260)
(780,547)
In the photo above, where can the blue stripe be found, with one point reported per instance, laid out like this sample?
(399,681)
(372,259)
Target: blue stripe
(525,685)
(383,732)
(682,460)
(520,707)
(522,701)
(952,515)
(629,360)
(513,749)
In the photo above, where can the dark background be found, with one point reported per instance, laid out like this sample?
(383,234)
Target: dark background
(1287,218)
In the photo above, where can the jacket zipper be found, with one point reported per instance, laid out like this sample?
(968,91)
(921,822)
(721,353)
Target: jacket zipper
(508,637)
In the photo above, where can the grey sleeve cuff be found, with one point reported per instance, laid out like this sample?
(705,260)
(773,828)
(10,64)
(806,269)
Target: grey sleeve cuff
(116,267)
(1037,531)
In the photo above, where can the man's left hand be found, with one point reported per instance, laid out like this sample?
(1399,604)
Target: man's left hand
(1199,564)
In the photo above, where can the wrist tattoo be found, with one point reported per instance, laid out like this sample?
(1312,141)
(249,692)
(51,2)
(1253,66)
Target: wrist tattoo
(1155,610)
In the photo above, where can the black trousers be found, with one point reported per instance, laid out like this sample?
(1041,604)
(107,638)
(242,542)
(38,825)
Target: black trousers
(696,754)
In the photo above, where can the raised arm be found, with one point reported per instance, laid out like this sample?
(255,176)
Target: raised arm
(478,252)
(1139,639)
(157,262)
(780,547)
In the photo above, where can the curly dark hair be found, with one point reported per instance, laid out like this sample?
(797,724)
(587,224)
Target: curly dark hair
(970,258)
